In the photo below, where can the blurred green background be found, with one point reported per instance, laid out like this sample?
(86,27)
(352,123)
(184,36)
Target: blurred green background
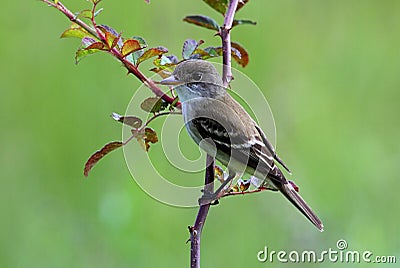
(330,71)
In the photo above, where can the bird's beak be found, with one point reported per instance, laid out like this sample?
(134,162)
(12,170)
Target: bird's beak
(171,80)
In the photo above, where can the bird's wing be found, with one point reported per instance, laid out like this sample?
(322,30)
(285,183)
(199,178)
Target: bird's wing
(271,149)
(249,150)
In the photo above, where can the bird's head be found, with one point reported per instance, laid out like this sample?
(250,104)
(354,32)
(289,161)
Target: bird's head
(194,79)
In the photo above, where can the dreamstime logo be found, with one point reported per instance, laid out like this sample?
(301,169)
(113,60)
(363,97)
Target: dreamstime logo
(172,171)
(340,254)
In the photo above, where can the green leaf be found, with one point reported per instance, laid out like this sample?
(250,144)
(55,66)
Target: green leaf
(240,54)
(89,46)
(189,46)
(214,51)
(173,104)
(97,156)
(151,52)
(218,5)
(222,5)
(240,22)
(202,21)
(132,121)
(130,46)
(141,41)
(74,31)
(153,105)
(82,53)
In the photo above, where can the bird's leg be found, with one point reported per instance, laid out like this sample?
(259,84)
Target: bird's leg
(210,197)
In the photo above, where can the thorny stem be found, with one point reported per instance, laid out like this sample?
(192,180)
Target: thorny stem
(114,51)
(196,230)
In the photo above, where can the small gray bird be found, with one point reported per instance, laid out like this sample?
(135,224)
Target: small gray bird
(222,127)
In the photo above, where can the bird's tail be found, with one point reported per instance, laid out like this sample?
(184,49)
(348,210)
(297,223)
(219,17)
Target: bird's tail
(290,192)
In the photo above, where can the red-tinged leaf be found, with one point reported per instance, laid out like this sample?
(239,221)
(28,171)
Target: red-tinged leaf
(219,173)
(112,37)
(74,31)
(222,5)
(151,52)
(153,105)
(116,41)
(240,22)
(235,189)
(150,137)
(130,46)
(132,121)
(99,155)
(189,46)
(244,185)
(243,58)
(202,21)
(97,45)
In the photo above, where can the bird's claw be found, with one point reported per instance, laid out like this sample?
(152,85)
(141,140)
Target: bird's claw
(208,198)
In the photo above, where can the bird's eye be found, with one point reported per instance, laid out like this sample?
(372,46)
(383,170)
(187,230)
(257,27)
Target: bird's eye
(197,76)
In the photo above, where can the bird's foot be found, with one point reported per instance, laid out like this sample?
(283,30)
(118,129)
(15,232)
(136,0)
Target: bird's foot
(209,198)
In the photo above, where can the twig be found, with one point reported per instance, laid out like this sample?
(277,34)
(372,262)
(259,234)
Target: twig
(196,230)
(226,42)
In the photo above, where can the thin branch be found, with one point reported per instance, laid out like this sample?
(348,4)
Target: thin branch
(226,42)
(114,51)
(246,192)
(196,229)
